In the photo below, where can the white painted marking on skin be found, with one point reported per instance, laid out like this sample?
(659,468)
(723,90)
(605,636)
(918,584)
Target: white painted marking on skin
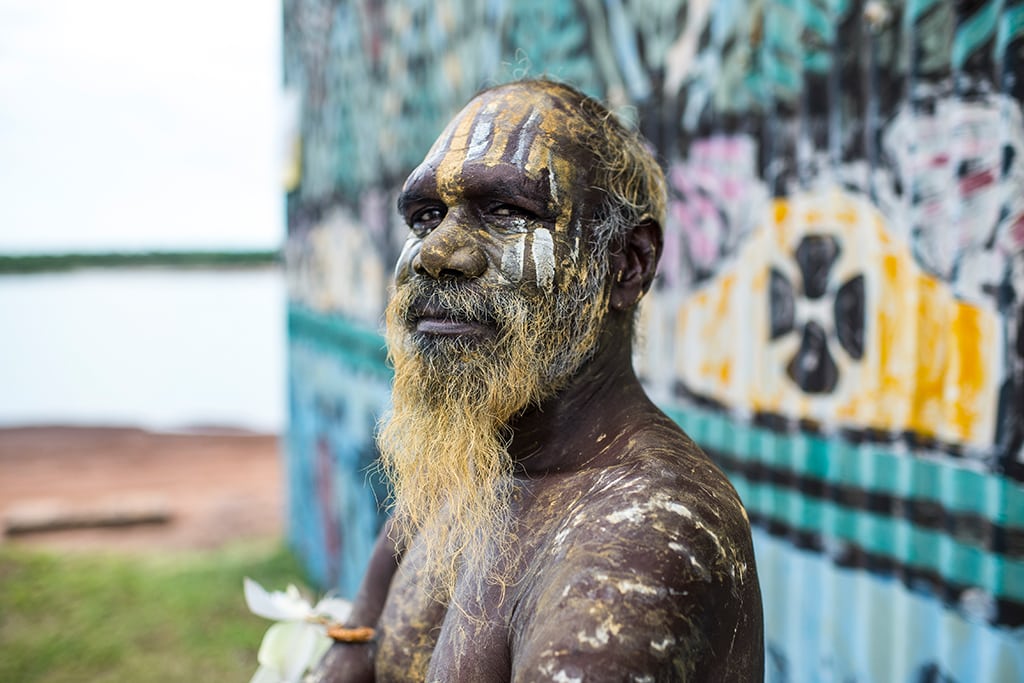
(551,178)
(663,645)
(685,512)
(512,259)
(694,562)
(599,639)
(480,139)
(440,148)
(678,509)
(408,254)
(522,148)
(635,587)
(420,171)
(625,586)
(604,632)
(520,225)
(633,514)
(607,483)
(543,249)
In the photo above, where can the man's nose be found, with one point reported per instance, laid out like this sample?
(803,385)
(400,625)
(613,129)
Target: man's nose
(450,251)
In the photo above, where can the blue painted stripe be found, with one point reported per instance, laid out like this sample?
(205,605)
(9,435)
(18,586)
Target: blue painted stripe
(915,8)
(1011,27)
(974,32)
(869,466)
(354,343)
(894,538)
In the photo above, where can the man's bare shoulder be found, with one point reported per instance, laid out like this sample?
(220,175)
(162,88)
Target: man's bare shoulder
(647,570)
(661,486)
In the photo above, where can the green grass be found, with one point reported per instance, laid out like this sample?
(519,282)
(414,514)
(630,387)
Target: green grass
(111,619)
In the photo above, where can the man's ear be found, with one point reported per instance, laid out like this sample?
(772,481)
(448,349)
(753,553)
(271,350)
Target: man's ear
(633,265)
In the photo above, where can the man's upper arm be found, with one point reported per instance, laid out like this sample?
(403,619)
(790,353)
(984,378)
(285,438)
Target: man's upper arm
(651,592)
(602,624)
(354,662)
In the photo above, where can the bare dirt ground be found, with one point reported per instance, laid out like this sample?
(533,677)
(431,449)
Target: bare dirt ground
(132,490)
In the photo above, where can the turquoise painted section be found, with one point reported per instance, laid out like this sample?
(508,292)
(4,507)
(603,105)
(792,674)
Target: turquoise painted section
(338,389)
(838,316)
(916,548)
(865,466)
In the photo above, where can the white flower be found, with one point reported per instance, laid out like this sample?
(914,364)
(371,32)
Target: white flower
(297,643)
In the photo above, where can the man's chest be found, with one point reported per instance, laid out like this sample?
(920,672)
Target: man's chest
(422,639)
(470,638)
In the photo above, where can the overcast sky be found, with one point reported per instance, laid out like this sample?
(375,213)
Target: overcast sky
(137,124)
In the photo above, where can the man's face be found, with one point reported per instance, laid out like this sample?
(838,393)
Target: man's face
(503,179)
(497,215)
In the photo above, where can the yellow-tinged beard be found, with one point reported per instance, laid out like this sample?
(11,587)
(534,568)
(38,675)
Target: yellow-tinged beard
(444,445)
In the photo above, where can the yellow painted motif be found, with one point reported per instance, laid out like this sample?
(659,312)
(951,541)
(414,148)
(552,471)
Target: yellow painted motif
(931,363)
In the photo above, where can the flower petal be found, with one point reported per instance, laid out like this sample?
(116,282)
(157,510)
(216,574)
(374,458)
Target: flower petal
(292,647)
(276,605)
(335,608)
(309,647)
(265,675)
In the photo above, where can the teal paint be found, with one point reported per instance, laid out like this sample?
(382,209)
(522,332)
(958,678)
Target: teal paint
(867,466)
(895,539)
(1011,26)
(975,32)
(356,347)
(338,390)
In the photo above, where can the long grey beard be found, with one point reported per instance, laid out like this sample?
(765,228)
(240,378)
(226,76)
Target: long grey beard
(444,446)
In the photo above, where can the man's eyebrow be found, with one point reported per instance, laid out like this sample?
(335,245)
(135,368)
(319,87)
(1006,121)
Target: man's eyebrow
(411,197)
(403,199)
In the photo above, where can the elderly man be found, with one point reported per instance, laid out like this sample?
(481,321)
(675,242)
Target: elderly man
(549,523)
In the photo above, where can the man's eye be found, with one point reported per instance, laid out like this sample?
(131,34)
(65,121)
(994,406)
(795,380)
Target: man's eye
(510,211)
(511,219)
(426,220)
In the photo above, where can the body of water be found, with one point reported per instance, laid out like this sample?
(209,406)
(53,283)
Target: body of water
(156,348)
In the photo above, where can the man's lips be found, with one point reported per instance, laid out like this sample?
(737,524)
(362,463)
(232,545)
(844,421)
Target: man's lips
(430,316)
(449,327)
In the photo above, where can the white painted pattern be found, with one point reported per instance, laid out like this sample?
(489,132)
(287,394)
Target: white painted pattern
(543,249)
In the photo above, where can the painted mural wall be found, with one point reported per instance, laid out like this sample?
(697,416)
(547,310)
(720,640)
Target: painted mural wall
(837,321)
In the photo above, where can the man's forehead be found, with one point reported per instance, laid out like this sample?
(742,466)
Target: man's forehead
(529,127)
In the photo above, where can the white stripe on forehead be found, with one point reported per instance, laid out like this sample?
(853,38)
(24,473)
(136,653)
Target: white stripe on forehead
(527,132)
(480,139)
(512,259)
(543,250)
(440,146)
